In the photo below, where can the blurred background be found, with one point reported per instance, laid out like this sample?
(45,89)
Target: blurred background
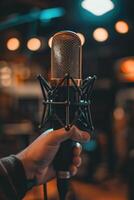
(106,28)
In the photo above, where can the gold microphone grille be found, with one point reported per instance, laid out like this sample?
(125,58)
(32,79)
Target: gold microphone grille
(66,55)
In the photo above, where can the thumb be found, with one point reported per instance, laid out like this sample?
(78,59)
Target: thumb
(57,136)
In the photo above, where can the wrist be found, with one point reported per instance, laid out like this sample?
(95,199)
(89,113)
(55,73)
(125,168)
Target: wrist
(28,166)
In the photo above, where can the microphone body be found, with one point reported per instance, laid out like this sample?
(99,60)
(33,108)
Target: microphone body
(65,61)
(67,99)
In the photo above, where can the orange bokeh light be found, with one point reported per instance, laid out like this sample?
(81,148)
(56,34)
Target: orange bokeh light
(121,27)
(13,44)
(127,69)
(34,44)
(127,66)
(100,34)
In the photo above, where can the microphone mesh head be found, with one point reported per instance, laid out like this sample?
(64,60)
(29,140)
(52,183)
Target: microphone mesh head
(66,55)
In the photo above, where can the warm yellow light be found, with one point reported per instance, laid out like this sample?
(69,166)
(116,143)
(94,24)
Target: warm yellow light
(126,70)
(5,76)
(13,44)
(34,44)
(119,113)
(6,83)
(121,27)
(82,38)
(100,34)
(5,73)
(127,66)
(50,42)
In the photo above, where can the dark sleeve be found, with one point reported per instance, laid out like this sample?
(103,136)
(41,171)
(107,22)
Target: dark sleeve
(13,183)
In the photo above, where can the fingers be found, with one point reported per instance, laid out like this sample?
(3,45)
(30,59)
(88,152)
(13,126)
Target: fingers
(73,170)
(60,135)
(78,135)
(77,149)
(76,159)
(74,167)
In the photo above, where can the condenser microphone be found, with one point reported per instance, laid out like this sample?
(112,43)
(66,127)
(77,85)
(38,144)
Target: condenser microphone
(66,56)
(66,70)
(66,98)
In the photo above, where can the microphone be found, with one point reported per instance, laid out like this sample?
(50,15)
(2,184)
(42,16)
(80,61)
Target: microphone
(66,99)
(66,54)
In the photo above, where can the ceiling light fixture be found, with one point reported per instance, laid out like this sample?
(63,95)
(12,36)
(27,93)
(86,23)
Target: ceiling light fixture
(98,7)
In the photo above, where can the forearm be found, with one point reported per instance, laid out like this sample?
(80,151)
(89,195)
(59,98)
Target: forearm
(13,183)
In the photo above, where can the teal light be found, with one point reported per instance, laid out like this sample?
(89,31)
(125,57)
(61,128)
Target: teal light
(98,7)
(43,15)
(48,14)
(90,145)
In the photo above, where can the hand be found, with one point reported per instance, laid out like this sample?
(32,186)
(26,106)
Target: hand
(37,158)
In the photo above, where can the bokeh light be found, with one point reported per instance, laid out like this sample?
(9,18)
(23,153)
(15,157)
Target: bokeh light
(13,44)
(127,66)
(98,7)
(5,76)
(121,27)
(100,34)
(119,113)
(50,42)
(126,69)
(82,38)
(34,44)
